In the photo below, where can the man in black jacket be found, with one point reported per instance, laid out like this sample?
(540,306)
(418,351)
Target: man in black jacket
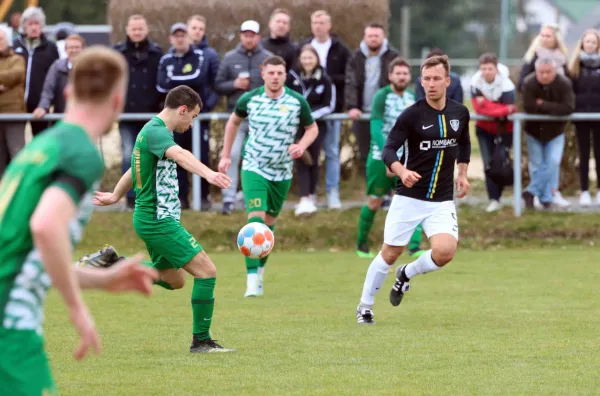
(39,54)
(278,42)
(333,56)
(365,74)
(143,56)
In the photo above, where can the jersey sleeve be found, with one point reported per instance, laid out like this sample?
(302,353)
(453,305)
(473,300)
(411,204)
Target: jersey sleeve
(159,140)
(464,141)
(79,168)
(377,114)
(396,138)
(241,106)
(306,117)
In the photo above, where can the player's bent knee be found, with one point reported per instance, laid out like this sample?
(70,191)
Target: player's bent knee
(201,266)
(391,253)
(443,254)
(374,203)
(177,283)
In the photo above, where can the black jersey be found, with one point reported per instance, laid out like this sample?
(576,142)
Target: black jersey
(433,141)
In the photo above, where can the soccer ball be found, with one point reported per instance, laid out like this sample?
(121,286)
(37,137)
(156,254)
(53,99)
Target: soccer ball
(255,240)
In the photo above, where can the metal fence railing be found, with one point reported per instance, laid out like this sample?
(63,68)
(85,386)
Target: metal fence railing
(517,118)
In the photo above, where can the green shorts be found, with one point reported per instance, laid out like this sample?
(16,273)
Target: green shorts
(168,243)
(24,368)
(262,195)
(378,183)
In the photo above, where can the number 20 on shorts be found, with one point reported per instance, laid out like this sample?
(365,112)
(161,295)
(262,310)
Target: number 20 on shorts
(193,242)
(254,203)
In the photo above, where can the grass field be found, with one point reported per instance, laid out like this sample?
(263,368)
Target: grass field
(504,322)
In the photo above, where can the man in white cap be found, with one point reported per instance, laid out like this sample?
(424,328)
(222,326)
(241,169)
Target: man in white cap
(240,72)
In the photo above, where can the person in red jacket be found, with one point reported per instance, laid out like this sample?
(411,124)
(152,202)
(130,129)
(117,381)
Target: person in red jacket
(493,95)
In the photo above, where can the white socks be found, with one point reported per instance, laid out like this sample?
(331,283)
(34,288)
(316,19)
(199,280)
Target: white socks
(422,265)
(376,274)
(252,282)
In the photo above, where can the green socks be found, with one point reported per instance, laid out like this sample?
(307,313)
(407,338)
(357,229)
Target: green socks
(365,223)
(203,304)
(253,264)
(263,261)
(415,239)
(160,283)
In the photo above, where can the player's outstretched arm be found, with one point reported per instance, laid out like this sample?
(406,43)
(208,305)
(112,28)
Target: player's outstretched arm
(231,129)
(310,134)
(187,161)
(107,198)
(49,226)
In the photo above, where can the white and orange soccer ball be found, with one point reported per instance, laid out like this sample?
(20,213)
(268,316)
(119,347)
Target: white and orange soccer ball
(255,240)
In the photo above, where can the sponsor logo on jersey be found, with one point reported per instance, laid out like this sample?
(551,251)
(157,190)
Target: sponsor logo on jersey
(438,144)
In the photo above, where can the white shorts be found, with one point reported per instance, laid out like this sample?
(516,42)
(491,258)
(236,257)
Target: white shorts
(406,214)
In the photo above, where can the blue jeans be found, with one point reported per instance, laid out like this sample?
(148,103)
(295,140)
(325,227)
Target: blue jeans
(331,145)
(129,131)
(544,161)
(486,146)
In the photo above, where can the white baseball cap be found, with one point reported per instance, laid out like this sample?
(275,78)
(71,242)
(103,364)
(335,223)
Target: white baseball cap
(250,26)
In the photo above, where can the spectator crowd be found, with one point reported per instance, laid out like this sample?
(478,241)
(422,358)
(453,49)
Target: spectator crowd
(334,79)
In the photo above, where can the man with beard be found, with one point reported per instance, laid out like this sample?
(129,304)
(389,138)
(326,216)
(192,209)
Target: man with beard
(367,71)
(388,103)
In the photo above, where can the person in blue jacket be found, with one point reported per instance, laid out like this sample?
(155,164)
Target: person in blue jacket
(188,65)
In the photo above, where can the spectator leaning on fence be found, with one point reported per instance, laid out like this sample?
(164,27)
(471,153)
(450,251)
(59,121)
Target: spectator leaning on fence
(584,70)
(196,25)
(39,54)
(278,42)
(310,80)
(454,91)
(240,72)
(545,92)
(142,56)
(366,72)
(57,78)
(12,89)
(493,95)
(333,57)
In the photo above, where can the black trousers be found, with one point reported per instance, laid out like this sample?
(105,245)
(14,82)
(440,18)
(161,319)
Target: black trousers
(362,134)
(308,175)
(37,126)
(184,140)
(588,132)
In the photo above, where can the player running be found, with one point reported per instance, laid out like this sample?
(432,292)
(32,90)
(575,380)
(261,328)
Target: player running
(275,113)
(435,134)
(156,217)
(45,202)
(388,103)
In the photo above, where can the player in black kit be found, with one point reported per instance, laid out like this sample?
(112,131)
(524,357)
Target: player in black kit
(435,134)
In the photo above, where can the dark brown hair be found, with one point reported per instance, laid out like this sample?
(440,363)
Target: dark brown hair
(488,57)
(273,60)
(436,60)
(96,73)
(398,61)
(183,96)
(376,25)
(435,52)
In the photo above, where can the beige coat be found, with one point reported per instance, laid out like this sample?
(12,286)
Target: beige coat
(12,77)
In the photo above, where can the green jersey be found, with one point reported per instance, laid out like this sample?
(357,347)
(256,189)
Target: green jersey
(385,110)
(63,157)
(273,125)
(155,176)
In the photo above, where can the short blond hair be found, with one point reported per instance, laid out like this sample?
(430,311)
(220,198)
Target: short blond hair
(278,11)
(136,17)
(320,13)
(76,37)
(197,17)
(97,72)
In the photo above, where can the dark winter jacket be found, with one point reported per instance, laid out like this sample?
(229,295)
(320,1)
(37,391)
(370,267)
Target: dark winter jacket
(234,62)
(587,86)
(54,86)
(454,91)
(337,59)
(558,99)
(355,76)
(190,69)
(318,90)
(282,46)
(143,59)
(38,61)
(210,70)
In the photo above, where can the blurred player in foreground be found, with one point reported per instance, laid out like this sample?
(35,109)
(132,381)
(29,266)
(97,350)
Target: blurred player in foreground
(45,202)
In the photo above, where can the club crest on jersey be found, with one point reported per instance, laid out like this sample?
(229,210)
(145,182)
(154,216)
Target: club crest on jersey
(454,124)
(283,109)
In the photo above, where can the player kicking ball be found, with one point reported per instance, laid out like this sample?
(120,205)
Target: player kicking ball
(388,103)
(156,217)
(435,134)
(45,202)
(274,113)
